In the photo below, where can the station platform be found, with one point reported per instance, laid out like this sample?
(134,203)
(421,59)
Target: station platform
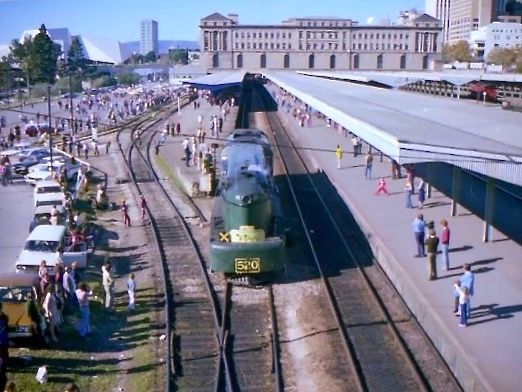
(483,356)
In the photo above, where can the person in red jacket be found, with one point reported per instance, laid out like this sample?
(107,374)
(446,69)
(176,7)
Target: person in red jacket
(381,187)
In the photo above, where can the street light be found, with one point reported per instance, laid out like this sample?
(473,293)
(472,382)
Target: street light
(50,125)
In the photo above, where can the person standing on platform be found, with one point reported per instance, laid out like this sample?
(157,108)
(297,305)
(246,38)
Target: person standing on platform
(444,241)
(381,187)
(339,155)
(368,159)
(462,299)
(178,128)
(355,146)
(467,279)
(422,193)
(186,149)
(432,243)
(125,213)
(419,227)
(410,176)
(407,193)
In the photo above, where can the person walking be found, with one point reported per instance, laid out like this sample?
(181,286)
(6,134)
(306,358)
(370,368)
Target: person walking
(355,146)
(368,159)
(467,279)
(107,147)
(131,290)
(143,205)
(339,155)
(421,193)
(83,294)
(419,227)
(108,285)
(381,187)
(444,242)
(463,300)
(408,192)
(186,148)
(432,243)
(86,150)
(125,213)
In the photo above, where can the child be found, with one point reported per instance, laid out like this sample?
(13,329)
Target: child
(131,290)
(463,303)
(381,187)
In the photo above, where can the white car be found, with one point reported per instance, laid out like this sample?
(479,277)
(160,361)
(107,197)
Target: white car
(43,171)
(43,244)
(48,190)
(16,149)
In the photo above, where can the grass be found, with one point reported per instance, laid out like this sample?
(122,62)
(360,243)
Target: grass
(167,171)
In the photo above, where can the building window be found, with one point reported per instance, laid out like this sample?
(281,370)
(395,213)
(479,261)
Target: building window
(425,62)
(262,61)
(271,45)
(403,62)
(242,45)
(215,61)
(286,61)
(379,61)
(255,46)
(332,61)
(239,59)
(377,36)
(353,46)
(237,46)
(311,61)
(254,35)
(356,61)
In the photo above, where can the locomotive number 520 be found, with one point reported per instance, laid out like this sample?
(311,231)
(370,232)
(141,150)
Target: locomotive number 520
(248,265)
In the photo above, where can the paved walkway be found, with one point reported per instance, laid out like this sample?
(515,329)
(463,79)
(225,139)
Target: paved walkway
(484,356)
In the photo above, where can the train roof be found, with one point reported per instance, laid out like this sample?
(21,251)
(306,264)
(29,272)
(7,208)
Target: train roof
(247,135)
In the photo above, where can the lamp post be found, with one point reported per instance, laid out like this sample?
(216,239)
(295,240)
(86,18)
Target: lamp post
(50,125)
(71,109)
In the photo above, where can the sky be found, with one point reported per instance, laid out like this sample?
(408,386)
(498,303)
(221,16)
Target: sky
(177,19)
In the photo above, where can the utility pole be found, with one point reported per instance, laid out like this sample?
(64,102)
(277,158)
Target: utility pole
(71,109)
(50,125)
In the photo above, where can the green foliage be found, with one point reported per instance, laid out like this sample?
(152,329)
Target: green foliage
(150,57)
(459,51)
(42,58)
(63,84)
(178,56)
(505,57)
(103,81)
(128,78)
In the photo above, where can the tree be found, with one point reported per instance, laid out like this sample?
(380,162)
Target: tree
(178,56)
(150,57)
(128,78)
(76,61)
(42,58)
(505,57)
(459,51)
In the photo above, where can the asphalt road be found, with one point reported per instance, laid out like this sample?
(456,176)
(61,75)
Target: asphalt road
(16,211)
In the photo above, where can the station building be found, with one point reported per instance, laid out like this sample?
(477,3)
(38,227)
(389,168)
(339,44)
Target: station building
(318,43)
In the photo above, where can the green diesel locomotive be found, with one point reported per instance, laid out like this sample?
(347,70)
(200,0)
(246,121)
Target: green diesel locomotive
(247,234)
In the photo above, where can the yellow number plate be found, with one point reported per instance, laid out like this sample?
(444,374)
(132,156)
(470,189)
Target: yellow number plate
(248,265)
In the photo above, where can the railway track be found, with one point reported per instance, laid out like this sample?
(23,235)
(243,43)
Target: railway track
(376,355)
(191,323)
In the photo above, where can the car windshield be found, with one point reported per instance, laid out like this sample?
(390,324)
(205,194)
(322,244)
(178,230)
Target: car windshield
(49,189)
(41,246)
(48,203)
(14,294)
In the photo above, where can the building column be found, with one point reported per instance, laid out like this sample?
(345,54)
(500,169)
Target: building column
(489,209)
(455,189)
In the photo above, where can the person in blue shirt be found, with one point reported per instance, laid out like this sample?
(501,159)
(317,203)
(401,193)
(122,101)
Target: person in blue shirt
(467,279)
(419,227)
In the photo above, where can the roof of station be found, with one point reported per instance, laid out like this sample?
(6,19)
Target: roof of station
(413,128)
(218,80)
(398,79)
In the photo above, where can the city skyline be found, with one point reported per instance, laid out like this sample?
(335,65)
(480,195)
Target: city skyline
(115,19)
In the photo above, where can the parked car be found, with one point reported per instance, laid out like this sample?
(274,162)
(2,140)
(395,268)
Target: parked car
(42,216)
(44,171)
(29,159)
(16,149)
(43,243)
(14,293)
(48,189)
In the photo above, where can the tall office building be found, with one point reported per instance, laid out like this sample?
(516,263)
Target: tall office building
(467,16)
(149,36)
(440,9)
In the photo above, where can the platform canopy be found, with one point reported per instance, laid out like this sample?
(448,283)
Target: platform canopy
(399,79)
(413,128)
(217,81)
